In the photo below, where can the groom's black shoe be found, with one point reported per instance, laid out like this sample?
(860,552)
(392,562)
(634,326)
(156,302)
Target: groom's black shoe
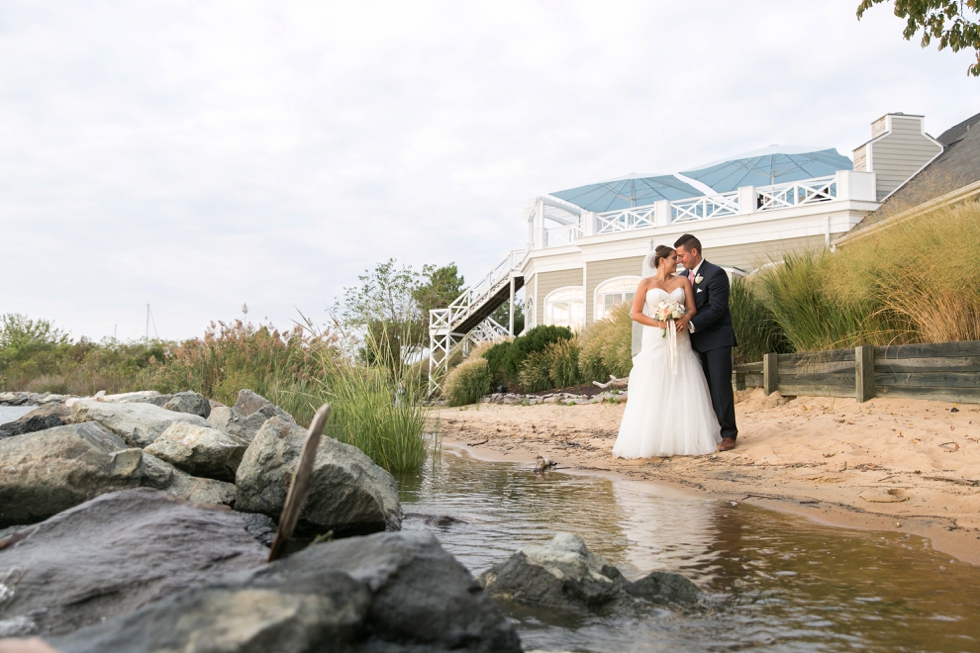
(727,444)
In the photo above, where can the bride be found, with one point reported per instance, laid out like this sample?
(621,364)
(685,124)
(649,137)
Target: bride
(668,408)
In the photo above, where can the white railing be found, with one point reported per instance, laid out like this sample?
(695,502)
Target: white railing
(797,193)
(846,184)
(625,219)
(443,319)
(704,208)
(564,235)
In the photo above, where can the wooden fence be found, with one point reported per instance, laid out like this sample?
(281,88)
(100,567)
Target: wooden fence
(947,371)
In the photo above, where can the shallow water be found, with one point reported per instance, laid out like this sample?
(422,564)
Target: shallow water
(773,581)
(10,413)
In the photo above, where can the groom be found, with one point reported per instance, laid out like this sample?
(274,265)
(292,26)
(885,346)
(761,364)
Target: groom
(712,335)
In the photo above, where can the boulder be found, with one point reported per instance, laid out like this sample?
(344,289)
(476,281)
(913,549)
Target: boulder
(665,587)
(114,554)
(189,402)
(161,475)
(137,423)
(247,416)
(45,472)
(249,402)
(348,494)
(199,450)
(46,416)
(564,575)
(383,593)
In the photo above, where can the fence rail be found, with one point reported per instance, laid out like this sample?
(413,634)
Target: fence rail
(947,371)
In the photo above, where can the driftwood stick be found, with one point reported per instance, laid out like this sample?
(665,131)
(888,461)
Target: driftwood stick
(613,382)
(300,485)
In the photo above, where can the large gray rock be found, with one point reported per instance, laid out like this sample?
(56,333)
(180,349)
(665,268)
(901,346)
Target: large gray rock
(564,575)
(247,416)
(46,416)
(348,494)
(379,594)
(137,423)
(45,472)
(189,402)
(161,475)
(199,450)
(114,554)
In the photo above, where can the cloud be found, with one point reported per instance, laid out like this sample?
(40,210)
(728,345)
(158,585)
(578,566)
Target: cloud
(199,155)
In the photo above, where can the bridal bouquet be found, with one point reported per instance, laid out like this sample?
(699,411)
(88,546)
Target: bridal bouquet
(668,312)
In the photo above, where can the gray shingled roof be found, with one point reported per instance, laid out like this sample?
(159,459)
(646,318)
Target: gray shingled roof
(958,165)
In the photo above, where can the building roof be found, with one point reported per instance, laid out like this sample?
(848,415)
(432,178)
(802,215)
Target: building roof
(958,165)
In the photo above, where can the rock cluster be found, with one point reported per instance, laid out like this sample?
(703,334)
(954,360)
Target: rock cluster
(113,538)
(561,398)
(384,592)
(243,456)
(564,575)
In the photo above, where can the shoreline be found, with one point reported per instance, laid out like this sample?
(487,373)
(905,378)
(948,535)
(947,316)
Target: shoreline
(886,465)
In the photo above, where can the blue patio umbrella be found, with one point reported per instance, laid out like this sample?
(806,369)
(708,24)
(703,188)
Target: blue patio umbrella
(772,165)
(632,190)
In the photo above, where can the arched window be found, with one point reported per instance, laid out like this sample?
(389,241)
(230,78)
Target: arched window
(565,307)
(614,291)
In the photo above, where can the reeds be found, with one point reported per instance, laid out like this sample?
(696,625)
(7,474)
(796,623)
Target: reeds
(607,347)
(377,406)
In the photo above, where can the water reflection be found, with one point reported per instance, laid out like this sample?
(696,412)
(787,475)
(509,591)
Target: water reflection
(774,581)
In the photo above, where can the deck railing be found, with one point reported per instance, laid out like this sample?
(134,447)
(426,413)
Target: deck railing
(625,219)
(704,208)
(742,201)
(797,193)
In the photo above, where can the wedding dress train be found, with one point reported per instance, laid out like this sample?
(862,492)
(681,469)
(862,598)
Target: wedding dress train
(668,407)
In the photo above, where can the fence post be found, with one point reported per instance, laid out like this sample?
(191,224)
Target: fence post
(864,372)
(770,373)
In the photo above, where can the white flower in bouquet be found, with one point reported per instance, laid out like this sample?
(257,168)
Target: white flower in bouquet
(668,312)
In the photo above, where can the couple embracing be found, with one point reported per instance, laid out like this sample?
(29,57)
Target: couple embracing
(681,401)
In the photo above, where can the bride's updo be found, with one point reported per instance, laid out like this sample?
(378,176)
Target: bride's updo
(661,252)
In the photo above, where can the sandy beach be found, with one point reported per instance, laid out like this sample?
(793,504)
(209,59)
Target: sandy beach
(888,464)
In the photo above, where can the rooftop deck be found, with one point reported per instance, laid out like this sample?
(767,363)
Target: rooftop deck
(555,223)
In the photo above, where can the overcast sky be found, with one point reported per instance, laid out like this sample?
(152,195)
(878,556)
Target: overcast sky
(201,155)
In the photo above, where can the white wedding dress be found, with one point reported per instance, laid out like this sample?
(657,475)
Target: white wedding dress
(668,411)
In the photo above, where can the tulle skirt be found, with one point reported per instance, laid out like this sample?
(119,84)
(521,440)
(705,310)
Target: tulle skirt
(668,412)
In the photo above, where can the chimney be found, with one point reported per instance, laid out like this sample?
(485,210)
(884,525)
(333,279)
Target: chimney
(899,148)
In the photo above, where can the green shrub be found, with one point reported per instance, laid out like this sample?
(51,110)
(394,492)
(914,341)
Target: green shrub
(535,372)
(556,366)
(496,357)
(756,328)
(468,382)
(534,340)
(563,358)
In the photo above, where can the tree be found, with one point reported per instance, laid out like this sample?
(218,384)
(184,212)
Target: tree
(502,316)
(945,20)
(440,286)
(21,338)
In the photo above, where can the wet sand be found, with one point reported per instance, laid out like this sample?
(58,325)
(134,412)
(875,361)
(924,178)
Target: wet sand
(888,464)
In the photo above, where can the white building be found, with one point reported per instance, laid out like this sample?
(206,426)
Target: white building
(585,245)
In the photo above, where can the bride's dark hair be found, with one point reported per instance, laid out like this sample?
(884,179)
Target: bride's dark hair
(662,251)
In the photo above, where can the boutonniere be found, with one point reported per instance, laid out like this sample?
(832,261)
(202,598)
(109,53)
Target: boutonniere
(698,279)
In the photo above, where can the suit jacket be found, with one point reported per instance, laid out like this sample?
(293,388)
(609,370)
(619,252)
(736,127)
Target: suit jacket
(713,323)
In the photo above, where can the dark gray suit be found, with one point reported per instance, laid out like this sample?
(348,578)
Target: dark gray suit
(713,339)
